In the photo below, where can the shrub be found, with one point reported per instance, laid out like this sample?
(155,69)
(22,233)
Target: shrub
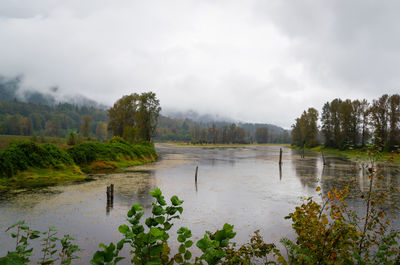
(114,150)
(27,154)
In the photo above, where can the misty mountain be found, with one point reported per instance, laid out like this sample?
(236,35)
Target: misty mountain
(10,89)
(210,119)
(195,116)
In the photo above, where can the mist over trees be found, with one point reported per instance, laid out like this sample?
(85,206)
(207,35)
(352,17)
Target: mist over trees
(10,90)
(353,123)
(131,117)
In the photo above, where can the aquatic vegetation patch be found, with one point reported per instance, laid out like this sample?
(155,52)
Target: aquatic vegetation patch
(41,177)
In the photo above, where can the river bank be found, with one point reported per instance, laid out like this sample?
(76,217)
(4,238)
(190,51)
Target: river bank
(355,154)
(26,164)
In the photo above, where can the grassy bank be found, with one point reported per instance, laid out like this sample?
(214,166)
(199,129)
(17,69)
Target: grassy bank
(27,164)
(355,154)
(40,177)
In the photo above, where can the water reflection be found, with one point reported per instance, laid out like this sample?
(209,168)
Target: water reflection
(306,169)
(109,206)
(135,188)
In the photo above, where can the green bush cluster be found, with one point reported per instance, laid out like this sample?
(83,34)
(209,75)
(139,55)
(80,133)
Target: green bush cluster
(28,154)
(86,153)
(23,155)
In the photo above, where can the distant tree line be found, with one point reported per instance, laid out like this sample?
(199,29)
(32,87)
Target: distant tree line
(235,134)
(351,123)
(221,132)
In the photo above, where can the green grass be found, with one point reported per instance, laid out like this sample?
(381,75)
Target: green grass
(104,166)
(41,177)
(355,154)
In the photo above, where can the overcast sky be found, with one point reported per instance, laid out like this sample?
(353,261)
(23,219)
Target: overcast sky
(253,60)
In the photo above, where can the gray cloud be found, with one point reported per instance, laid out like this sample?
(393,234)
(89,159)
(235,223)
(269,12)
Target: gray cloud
(348,46)
(259,61)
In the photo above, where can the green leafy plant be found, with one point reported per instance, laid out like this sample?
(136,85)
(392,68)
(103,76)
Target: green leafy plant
(54,249)
(149,241)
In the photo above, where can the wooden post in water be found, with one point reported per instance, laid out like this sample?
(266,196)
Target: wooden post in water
(280,156)
(323,158)
(108,205)
(303,151)
(195,175)
(112,194)
(108,195)
(110,198)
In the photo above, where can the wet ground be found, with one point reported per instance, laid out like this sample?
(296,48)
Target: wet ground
(241,185)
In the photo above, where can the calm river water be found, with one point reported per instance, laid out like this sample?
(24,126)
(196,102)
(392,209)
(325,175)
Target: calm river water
(239,185)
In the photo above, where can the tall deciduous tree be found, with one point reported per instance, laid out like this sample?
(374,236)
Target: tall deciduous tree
(379,118)
(364,109)
(305,130)
(139,111)
(394,120)
(147,115)
(123,113)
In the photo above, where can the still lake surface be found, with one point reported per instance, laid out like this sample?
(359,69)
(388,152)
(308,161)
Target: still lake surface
(240,185)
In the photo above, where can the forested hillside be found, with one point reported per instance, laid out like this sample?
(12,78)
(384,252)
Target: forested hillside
(20,118)
(35,113)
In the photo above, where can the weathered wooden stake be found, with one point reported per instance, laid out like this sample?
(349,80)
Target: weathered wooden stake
(110,198)
(280,156)
(112,193)
(323,158)
(195,175)
(303,152)
(108,194)
(280,171)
